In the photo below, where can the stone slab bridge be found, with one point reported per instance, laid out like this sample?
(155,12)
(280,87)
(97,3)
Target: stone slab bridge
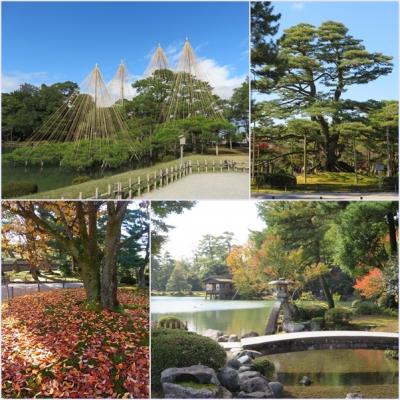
(321,340)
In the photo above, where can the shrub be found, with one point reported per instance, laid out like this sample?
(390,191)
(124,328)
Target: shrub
(338,316)
(318,322)
(306,312)
(366,308)
(279,180)
(128,280)
(390,183)
(168,158)
(176,348)
(306,296)
(80,179)
(355,303)
(17,189)
(171,323)
(392,354)
(264,366)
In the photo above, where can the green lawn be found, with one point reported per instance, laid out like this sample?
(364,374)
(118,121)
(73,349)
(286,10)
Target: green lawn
(88,188)
(330,182)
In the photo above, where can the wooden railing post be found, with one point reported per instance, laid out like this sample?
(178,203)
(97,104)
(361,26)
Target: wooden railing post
(198,166)
(206,166)
(139,187)
(220,165)
(213,166)
(190,167)
(155,180)
(96,193)
(109,190)
(148,183)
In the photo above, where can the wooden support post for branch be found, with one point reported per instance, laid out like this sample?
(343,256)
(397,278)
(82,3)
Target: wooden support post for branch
(109,190)
(96,193)
(213,166)
(130,183)
(166,176)
(138,186)
(190,167)
(220,165)
(172,173)
(148,183)
(198,166)
(130,193)
(155,180)
(161,178)
(205,163)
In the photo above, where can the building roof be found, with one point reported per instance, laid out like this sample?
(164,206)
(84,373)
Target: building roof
(218,279)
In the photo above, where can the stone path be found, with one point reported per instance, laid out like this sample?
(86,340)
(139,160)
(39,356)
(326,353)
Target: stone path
(210,186)
(21,289)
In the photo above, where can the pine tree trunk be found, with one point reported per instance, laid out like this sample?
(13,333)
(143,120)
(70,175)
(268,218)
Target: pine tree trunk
(141,278)
(327,292)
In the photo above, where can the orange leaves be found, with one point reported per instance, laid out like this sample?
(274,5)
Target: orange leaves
(371,285)
(71,352)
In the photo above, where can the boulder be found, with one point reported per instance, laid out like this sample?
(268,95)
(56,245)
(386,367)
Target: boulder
(225,393)
(277,389)
(223,338)
(196,373)
(244,359)
(256,384)
(291,327)
(250,334)
(251,353)
(306,381)
(176,391)
(229,378)
(233,363)
(212,334)
(256,395)
(244,376)
(233,338)
(245,368)
(354,396)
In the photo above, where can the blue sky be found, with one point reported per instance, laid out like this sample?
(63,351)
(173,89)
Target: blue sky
(59,41)
(376,23)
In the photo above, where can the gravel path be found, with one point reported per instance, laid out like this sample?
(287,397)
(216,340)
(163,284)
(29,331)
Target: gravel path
(211,186)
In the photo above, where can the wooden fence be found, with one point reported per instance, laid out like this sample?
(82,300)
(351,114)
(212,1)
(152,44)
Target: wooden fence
(158,179)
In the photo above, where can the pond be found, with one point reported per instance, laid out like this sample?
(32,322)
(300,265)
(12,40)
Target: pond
(334,372)
(231,317)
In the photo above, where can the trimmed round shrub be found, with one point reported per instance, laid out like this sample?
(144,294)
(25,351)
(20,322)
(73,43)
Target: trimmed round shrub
(306,312)
(338,316)
(264,366)
(171,323)
(177,348)
(80,179)
(367,308)
(279,180)
(12,190)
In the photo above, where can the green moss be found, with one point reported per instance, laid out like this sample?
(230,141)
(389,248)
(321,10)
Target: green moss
(197,385)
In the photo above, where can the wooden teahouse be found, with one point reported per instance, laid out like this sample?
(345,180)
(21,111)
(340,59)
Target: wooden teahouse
(219,287)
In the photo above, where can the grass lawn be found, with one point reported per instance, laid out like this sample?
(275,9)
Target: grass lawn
(330,182)
(88,188)
(56,345)
(181,294)
(25,276)
(376,323)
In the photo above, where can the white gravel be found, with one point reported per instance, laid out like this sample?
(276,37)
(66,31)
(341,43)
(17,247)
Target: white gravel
(234,185)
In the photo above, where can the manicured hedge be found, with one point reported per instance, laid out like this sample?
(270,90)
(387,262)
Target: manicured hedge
(280,180)
(306,312)
(177,348)
(13,190)
(338,317)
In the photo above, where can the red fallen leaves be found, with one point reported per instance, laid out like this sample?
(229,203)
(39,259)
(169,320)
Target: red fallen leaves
(53,347)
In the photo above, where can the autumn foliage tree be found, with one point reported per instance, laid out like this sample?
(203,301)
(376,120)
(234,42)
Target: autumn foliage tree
(74,226)
(371,285)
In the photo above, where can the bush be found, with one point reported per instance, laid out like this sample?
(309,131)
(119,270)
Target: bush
(390,183)
(306,296)
(171,323)
(176,348)
(264,366)
(306,312)
(168,158)
(128,280)
(13,189)
(280,180)
(355,303)
(392,354)
(80,179)
(338,316)
(366,308)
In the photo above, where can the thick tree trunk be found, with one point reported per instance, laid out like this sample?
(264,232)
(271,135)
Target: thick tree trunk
(90,274)
(141,279)
(327,292)
(392,233)
(109,282)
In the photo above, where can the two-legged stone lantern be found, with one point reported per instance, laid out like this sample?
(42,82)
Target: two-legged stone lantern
(282,303)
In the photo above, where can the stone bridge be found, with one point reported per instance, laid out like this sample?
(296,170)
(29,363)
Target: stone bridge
(321,340)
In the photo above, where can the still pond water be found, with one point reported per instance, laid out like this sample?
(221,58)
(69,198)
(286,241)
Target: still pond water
(334,372)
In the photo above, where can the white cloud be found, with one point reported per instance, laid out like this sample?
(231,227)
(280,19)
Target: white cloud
(12,81)
(220,77)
